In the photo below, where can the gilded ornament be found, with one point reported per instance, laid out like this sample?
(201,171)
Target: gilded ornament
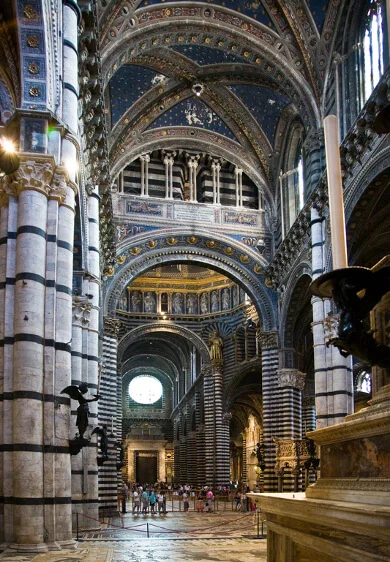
(229,251)
(136,250)
(220,43)
(172,241)
(268,282)
(211,244)
(258,269)
(192,240)
(246,54)
(109,271)
(234,47)
(168,12)
(258,60)
(33,68)
(115,66)
(152,243)
(207,40)
(180,38)
(121,259)
(29,12)
(34,92)
(32,41)
(244,258)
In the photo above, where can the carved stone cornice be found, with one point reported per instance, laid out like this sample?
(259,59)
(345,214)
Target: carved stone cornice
(291,378)
(268,340)
(81,310)
(291,453)
(112,326)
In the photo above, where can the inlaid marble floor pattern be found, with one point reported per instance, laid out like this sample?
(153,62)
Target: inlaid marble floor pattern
(176,537)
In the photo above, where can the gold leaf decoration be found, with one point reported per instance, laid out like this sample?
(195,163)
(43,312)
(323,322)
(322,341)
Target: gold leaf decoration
(258,269)
(109,271)
(136,250)
(172,241)
(152,243)
(229,251)
(211,243)
(192,240)
(121,259)
(244,258)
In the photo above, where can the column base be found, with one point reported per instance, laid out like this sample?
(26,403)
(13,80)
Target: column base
(68,545)
(15,547)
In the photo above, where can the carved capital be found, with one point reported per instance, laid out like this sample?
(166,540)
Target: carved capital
(331,323)
(81,310)
(35,174)
(268,340)
(291,378)
(59,185)
(112,326)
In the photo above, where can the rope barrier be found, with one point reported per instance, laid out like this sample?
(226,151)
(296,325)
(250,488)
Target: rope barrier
(200,530)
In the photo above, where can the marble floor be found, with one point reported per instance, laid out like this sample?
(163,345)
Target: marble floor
(174,537)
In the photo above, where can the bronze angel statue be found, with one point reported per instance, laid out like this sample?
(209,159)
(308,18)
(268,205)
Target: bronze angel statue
(76,393)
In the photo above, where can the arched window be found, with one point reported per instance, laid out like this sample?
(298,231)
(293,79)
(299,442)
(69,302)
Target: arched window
(372,49)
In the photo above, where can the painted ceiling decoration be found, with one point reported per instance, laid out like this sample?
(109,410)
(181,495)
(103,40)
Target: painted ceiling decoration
(259,65)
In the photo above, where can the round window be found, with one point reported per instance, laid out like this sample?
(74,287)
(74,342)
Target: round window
(145,389)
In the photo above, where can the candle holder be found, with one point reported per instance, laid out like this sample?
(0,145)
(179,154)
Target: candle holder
(356,291)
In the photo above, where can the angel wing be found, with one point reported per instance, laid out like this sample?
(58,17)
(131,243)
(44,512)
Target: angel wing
(72,391)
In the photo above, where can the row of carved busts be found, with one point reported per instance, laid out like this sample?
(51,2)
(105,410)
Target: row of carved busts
(211,301)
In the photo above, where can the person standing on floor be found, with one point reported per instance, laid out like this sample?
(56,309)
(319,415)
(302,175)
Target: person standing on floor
(136,501)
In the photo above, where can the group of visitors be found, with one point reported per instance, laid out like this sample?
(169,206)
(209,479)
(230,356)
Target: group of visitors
(148,500)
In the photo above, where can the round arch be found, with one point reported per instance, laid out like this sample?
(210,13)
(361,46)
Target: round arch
(243,265)
(195,340)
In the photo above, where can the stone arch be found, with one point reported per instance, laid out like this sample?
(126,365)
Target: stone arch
(173,329)
(131,42)
(227,256)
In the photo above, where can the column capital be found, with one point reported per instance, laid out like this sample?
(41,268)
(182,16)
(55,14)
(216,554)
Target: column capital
(291,378)
(38,173)
(238,171)
(112,326)
(145,157)
(268,340)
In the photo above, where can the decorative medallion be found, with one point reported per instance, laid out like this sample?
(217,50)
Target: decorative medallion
(192,240)
(211,244)
(244,258)
(32,41)
(33,68)
(34,92)
(29,12)
(268,283)
(109,271)
(172,241)
(258,269)
(121,259)
(229,251)
(152,243)
(136,251)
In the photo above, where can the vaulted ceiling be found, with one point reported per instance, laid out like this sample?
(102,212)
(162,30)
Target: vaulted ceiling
(259,64)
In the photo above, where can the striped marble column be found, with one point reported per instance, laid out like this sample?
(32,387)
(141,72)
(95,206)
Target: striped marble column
(271,403)
(37,321)
(223,461)
(244,473)
(333,373)
(176,448)
(192,467)
(200,456)
(291,383)
(209,426)
(110,418)
(183,448)
(8,232)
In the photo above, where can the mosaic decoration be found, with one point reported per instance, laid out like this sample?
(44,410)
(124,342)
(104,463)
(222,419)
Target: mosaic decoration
(251,8)
(145,208)
(207,55)
(128,85)
(192,113)
(265,105)
(232,217)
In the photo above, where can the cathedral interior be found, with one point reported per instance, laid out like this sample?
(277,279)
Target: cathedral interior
(166,217)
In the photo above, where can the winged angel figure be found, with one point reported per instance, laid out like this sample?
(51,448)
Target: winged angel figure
(76,393)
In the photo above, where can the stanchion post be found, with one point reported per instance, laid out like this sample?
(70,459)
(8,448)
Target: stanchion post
(147,530)
(77,526)
(258,524)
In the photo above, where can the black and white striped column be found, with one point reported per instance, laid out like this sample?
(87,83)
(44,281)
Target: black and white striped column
(333,373)
(110,418)
(272,409)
